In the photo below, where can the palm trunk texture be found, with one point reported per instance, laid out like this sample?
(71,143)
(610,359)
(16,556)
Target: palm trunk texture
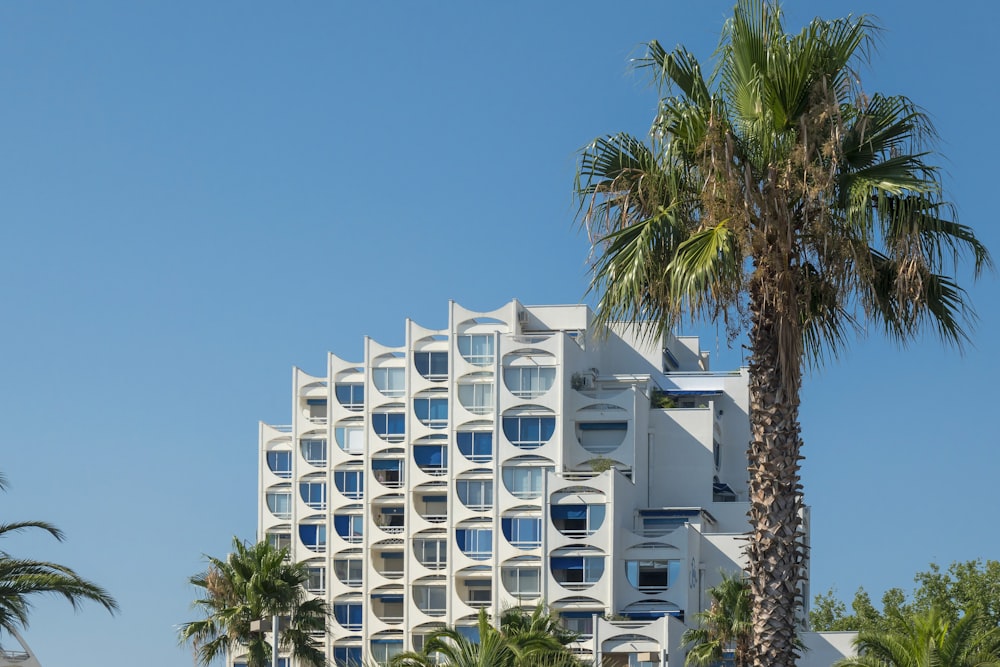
(776,547)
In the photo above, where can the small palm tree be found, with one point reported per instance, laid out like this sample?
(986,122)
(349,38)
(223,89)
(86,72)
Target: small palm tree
(724,626)
(22,579)
(929,639)
(777,195)
(255,583)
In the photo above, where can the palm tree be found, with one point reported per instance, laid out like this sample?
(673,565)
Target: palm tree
(929,639)
(776,194)
(22,579)
(724,626)
(521,641)
(254,584)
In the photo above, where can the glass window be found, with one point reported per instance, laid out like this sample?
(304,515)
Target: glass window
(351,439)
(280,540)
(652,575)
(316,579)
(390,426)
(476,543)
(529,381)
(316,409)
(313,536)
(524,481)
(389,381)
(477,446)
(313,494)
(347,656)
(580,622)
(280,463)
(529,432)
(431,412)
(601,437)
(476,348)
(522,581)
(577,520)
(351,395)
(432,553)
(476,494)
(432,365)
(348,570)
(351,483)
(432,459)
(383,650)
(388,472)
(476,397)
(280,504)
(314,451)
(524,532)
(430,599)
(577,569)
(348,614)
(349,526)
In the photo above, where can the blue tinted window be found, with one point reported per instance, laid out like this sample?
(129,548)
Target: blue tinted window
(529,432)
(431,411)
(432,365)
(477,446)
(280,463)
(351,395)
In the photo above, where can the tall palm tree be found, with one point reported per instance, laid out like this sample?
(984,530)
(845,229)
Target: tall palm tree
(255,583)
(724,626)
(777,194)
(929,639)
(22,579)
(521,642)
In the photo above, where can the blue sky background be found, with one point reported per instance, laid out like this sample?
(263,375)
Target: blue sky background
(194,197)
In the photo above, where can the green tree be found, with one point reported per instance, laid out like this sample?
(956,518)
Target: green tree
(22,579)
(254,583)
(928,638)
(778,195)
(724,626)
(522,640)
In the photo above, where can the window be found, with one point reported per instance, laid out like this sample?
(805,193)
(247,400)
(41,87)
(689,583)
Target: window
(476,543)
(431,459)
(476,348)
(314,451)
(577,520)
(432,365)
(351,483)
(477,446)
(529,381)
(476,494)
(316,410)
(652,575)
(431,412)
(348,614)
(522,581)
(470,632)
(313,494)
(313,536)
(524,532)
(316,579)
(351,438)
(349,526)
(348,570)
(476,397)
(432,553)
(580,622)
(347,656)
(390,519)
(529,432)
(280,504)
(389,426)
(435,508)
(601,437)
(392,565)
(430,599)
(280,540)
(389,381)
(524,481)
(654,525)
(383,650)
(479,592)
(575,571)
(388,472)
(280,463)
(351,396)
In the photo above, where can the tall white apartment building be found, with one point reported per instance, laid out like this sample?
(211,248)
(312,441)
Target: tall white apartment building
(518,456)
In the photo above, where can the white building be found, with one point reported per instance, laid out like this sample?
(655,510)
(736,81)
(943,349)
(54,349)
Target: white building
(516,456)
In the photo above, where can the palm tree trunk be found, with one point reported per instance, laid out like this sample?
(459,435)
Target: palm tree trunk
(776,548)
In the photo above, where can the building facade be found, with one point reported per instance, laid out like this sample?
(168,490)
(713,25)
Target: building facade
(518,456)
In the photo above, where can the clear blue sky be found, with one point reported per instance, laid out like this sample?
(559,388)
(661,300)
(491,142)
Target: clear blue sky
(194,197)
